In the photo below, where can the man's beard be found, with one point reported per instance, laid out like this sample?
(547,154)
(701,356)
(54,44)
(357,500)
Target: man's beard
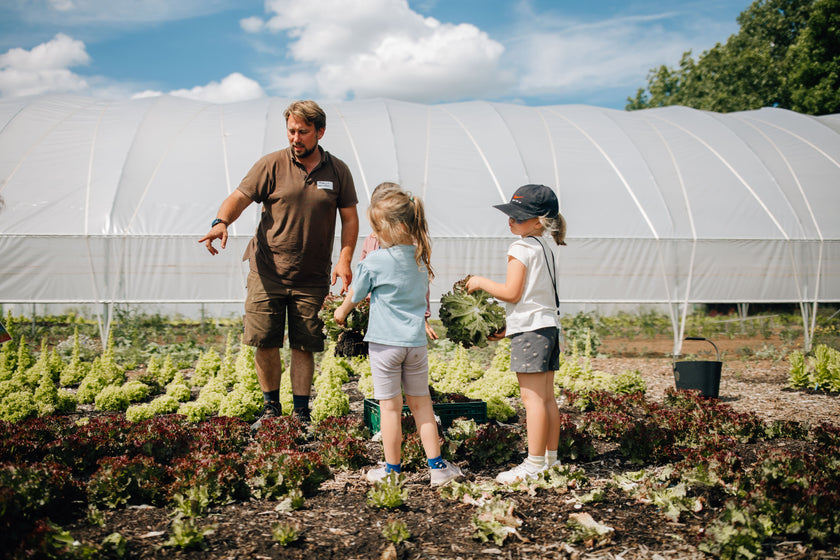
(306,152)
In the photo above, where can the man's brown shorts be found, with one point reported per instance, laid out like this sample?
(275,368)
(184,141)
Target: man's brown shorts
(266,307)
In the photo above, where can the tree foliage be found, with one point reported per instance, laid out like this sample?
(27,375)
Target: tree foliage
(786,54)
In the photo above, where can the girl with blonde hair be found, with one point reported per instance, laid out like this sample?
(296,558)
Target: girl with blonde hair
(397,278)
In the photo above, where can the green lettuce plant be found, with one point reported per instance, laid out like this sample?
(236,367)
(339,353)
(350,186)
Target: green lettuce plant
(469,318)
(388,493)
(581,334)
(330,399)
(194,503)
(284,533)
(585,529)
(495,521)
(396,531)
(111,398)
(50,399)
(179,388)
(104,371)
(348,338)
(17,406)
(186,534)
(206,367)
(195,411)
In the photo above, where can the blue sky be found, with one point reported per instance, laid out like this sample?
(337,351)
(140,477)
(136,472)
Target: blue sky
(535,52)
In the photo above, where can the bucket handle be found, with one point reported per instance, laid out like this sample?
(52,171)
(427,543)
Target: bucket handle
(717,352)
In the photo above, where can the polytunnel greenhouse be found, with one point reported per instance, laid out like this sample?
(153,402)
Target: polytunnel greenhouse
(105,200)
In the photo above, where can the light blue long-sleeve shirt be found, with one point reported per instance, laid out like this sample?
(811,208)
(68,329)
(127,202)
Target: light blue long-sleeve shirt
(397,288)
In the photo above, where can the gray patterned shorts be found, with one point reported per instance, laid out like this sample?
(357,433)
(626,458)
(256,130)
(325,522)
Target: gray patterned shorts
(535,351)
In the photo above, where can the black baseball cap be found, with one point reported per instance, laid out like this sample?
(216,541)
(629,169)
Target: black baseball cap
(530,201)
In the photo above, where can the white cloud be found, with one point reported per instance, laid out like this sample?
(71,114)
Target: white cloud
(121,12)
(60,52)
(452,63)
(383,48)
(43,69)
(234,87)
(62,5)
(564,57)
(292,82)
(252,24)
(335,49)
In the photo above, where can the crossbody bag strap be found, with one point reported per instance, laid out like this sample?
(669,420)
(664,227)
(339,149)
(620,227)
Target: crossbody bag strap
(552,273)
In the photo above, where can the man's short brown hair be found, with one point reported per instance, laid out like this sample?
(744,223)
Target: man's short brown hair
(309,111)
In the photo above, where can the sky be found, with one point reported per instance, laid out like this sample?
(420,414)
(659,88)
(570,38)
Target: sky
(532,52)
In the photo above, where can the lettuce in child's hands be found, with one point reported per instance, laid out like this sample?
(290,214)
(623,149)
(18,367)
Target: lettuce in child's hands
(470,318)
(349,336)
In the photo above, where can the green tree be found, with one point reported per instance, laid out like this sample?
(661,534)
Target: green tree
(786,54)
(816,74)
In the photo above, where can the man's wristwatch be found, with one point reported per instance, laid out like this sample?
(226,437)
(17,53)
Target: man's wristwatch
(218,221)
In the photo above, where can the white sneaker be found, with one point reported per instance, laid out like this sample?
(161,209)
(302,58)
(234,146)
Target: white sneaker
(445,475)
(523,471)
(556,463)
(377,474)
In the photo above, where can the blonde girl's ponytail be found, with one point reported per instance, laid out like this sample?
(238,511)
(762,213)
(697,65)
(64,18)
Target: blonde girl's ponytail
(559,234)
(556,227)
(420,232)
(402,218)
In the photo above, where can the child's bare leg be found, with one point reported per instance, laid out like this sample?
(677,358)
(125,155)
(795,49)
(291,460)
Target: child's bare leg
(552,413)
(390,423)
(532,391)
(424,417)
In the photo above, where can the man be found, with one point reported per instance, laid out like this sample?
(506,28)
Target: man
(300,188)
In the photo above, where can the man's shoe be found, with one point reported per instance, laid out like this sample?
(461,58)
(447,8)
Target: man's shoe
(445,475)
(270,410)
(302,414)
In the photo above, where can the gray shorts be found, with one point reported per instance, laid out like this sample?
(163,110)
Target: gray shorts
(535,351)
(398,369)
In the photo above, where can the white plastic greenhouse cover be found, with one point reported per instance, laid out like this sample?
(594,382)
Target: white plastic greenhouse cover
(105,200)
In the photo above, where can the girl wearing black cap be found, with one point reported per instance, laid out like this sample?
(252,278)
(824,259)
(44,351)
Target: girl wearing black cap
(533,322)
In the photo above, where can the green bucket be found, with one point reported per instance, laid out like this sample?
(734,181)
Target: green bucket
(697,375)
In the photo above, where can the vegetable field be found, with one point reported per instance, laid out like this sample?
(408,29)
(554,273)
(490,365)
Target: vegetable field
(140,448)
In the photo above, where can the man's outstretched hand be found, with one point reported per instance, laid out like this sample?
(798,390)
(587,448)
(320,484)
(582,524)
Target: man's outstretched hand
(219,231)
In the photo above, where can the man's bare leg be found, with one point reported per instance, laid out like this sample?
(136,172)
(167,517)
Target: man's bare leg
(302,370)
(269,368)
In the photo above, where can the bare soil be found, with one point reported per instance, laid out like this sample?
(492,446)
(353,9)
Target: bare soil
(337,523)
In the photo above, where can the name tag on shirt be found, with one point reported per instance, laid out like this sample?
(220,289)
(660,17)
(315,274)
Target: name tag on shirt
(326,185)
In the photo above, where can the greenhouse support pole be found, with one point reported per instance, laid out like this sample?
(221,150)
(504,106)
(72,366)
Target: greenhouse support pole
(742,314)
(809,320)
(105,323)
(678,325)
